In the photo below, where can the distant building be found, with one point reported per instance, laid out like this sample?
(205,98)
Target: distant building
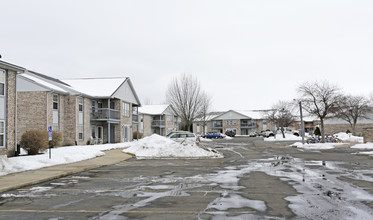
(238,121)
(157,119)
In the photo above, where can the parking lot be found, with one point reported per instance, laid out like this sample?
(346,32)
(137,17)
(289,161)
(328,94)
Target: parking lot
(254,180)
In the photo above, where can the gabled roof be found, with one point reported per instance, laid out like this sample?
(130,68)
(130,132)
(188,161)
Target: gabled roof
(10,66)
(103,88)
(240,114)
(40,82)
(119,87)
(209,116)
(154,109)
(96,87)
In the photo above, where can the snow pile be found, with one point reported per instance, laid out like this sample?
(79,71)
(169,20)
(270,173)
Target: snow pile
(369,153)
(349,137)
(156,146)
(317,146)
(61,155)
(363,146)
(288,137)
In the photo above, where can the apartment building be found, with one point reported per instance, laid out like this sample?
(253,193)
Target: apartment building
(157,119)
(8,107)
(85,111)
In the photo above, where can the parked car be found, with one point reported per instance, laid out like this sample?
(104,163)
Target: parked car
(253,134)
(182,136)
(230,133)
(211,135)
(267,133)
(289,131)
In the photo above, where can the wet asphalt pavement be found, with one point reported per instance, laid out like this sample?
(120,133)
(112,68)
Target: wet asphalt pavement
(254,180)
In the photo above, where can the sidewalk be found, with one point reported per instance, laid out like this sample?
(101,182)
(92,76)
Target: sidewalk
(22,179)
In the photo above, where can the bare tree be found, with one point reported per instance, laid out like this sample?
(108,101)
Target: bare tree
(321,100)
(186,98)
(281,115)
(352,108)
(205,110)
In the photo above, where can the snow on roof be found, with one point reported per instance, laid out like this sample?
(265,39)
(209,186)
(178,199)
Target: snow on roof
(209,116)
(153,109)
(251,113)
(43,83)
(96,87)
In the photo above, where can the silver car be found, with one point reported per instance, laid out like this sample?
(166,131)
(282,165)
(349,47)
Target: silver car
(183,136)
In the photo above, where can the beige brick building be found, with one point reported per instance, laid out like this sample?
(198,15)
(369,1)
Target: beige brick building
(85,111)
(157,119)
(240,122)
(8,105)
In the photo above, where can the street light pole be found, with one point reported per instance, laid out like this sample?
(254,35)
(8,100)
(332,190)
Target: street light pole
(301,121)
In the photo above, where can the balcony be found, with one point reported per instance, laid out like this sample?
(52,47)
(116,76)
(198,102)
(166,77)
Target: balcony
(158,123)
(248,125)
(217,125)
(105,114)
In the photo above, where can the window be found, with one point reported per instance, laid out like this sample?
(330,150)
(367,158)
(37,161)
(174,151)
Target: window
(55,101)
(2,133)
(169,119)
(80,104)
(2,108)
(231,122)
(2,82)
(55,112)
(80,131)
(126,109)
(2,94)
(81,118)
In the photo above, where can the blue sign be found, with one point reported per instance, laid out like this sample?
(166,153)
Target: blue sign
(50,132)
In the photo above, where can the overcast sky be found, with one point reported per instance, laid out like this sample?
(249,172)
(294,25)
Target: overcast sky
(246,54)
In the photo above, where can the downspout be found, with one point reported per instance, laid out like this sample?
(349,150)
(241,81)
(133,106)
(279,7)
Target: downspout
(15,120)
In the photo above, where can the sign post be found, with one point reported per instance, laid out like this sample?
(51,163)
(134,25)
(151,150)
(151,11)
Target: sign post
(50,141)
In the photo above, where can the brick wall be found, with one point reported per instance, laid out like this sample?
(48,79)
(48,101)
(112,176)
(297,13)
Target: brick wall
(31,112)
(10,114)
(336,128)
(368,134)
(68,122)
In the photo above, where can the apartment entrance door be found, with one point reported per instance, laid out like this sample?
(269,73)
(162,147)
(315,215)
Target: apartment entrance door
(112,133)
(126,133)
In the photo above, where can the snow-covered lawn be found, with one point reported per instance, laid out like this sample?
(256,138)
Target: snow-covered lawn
(363,146)
(60,155)
(288,137)
(316,146)
(153,147)
(349,137)
(156,146)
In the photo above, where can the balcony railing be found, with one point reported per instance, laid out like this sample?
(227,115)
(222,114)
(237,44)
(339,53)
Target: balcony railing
(248,125)
(217,125)
(158,123)
(105,114)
